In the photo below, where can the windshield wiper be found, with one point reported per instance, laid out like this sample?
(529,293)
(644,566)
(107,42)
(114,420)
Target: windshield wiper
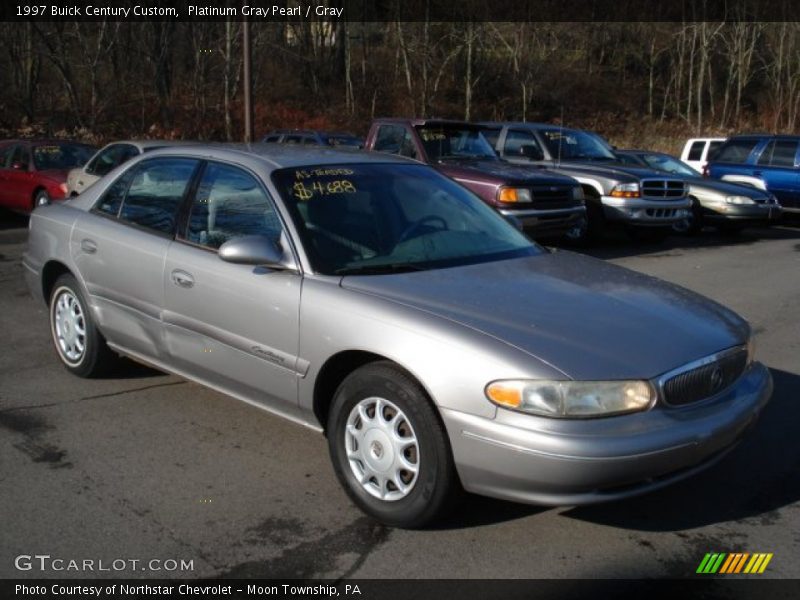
(379,269)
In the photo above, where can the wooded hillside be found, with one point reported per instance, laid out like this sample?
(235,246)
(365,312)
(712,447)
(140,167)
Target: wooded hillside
(637,83)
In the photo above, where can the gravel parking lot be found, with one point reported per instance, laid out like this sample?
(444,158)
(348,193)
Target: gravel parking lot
(145,466)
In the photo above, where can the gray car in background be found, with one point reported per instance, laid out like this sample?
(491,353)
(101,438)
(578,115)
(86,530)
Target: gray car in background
(373,299)
(728,206)
(109,157)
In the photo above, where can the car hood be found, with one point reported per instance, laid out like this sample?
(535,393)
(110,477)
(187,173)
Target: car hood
(610,169)
(589,319)
(501,172)
(723,187)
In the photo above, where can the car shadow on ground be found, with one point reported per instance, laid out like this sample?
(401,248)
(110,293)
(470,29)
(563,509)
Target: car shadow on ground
(617,244)
(759,477)
(130,369)
(12,220)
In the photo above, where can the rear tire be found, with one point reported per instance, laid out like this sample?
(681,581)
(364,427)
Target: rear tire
(79,345)
(389,449)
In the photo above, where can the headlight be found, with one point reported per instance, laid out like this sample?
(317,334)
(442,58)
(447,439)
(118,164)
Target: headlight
(739,200)
(626,190)
(577,193)
(565,399)
(508,194)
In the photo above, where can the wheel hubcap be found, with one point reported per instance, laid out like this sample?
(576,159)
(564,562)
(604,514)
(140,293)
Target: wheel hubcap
(382,449)
(69,327)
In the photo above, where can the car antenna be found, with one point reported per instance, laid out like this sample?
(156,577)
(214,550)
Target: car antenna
(560,136)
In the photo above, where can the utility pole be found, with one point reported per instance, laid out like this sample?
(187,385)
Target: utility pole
(248,90)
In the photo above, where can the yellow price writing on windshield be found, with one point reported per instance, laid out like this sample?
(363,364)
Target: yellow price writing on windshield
(304,191)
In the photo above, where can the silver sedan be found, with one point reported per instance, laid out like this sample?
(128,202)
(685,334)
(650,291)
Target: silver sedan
(372,299)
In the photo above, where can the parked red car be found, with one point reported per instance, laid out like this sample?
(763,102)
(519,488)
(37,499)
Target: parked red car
(34,172)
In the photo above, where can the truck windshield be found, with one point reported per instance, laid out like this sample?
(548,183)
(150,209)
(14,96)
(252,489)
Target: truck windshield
(570,145)
(444,142)
(390,218)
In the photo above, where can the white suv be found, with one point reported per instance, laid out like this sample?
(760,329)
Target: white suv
(696,152)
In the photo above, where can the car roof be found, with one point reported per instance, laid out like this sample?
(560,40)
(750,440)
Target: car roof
(279,156)
(153,143)
(778,136)
(639,151)
(416,122)
(528,124)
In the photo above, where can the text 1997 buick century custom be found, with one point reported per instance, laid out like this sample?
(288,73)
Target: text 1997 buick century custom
(369,297)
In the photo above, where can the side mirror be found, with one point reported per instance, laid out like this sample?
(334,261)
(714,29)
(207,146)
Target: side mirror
(531,152)
(514,221)
(18,166)
(257,250)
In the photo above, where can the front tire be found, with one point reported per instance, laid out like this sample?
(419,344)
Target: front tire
(388,448)
(79,345)
(42,198)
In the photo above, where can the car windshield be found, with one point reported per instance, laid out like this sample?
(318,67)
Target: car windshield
(60,156)
(389,218)
(447,141)
(663,162)
(569,144)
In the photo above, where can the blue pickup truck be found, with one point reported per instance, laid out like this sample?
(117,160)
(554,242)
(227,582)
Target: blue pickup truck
(769,162)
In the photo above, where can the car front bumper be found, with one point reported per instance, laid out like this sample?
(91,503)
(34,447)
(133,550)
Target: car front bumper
(556,220)
(561,462)
(644,212)
(743,212)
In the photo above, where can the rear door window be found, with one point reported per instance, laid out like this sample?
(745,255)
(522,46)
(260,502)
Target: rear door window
(779,153)
(713,149)
(156,193)
(736,151)
(516,139)
(395,139)
(696,151)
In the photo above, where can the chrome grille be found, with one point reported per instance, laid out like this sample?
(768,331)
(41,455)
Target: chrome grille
(663,188)
(661,213)
(706,380)
(553,196)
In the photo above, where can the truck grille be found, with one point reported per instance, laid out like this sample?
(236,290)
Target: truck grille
(706,380)
(663,188)
(553,196)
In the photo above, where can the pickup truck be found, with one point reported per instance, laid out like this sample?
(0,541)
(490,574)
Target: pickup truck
(645,202)
(764,161)
(545,203)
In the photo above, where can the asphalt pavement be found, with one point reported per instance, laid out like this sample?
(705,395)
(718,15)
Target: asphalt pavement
(147,467)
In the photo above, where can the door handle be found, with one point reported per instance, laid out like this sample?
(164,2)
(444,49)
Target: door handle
(182,278)
(88,246)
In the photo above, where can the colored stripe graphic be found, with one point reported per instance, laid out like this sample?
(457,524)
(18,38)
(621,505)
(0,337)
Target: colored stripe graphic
(735,562)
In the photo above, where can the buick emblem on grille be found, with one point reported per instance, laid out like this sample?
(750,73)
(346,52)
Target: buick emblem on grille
(716,379)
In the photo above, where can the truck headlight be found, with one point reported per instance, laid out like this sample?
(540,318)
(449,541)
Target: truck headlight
(626,190)
(572,399)
(739,200)
(513,195)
